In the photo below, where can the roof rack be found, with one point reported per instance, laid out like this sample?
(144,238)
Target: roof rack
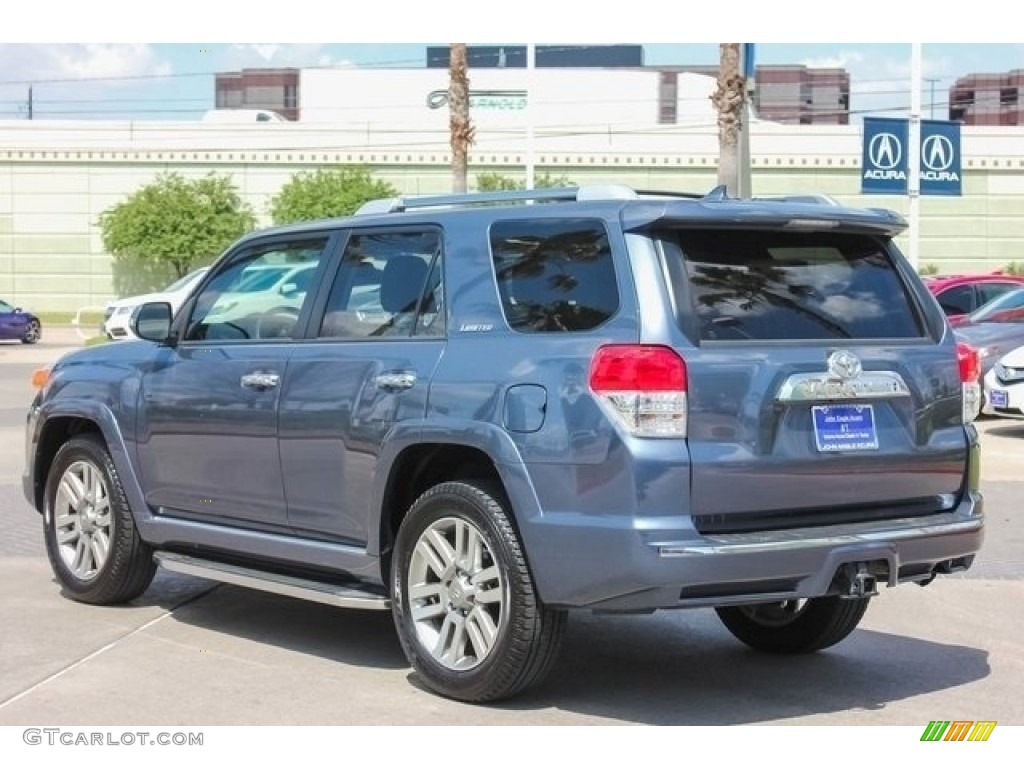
(562,194)
(801,197)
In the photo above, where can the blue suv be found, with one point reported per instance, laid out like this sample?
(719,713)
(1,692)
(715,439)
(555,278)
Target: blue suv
(486,411)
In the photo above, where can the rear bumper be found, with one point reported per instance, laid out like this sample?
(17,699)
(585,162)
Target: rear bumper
(642,565)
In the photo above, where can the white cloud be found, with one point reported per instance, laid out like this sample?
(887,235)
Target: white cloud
(881,83)
(79,61)
(242,55)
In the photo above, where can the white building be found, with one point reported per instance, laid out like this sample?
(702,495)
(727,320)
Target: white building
(562,98)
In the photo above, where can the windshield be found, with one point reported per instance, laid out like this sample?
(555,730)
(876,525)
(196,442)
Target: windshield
(1001,310)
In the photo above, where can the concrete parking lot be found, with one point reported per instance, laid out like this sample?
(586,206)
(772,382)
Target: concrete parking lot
(193,652)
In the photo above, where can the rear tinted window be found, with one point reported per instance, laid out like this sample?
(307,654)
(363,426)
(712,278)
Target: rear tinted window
(792,285)
(554,275)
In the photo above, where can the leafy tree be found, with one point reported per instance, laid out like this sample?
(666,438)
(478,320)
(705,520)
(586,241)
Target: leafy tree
(327,193)
(167,227)
(497,182)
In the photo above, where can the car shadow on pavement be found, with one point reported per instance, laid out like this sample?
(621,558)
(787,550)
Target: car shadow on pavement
(363,638)
(670,670)
(1009,429)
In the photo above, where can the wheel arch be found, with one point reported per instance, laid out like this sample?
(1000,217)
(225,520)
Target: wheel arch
(482,452)
(56,425)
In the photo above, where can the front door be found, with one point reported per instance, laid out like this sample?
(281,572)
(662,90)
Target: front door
(207,426)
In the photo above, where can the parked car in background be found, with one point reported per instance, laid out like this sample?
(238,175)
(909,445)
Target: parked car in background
(1004,386)
(16,323)
(960,295)
(117,319)
(995,329)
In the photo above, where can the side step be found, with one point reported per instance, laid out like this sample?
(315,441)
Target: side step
(304,589)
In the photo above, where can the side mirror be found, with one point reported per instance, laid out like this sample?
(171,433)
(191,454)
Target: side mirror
(152,321)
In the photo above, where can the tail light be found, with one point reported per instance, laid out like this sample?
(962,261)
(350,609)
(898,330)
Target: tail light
(641,387)
(970,379)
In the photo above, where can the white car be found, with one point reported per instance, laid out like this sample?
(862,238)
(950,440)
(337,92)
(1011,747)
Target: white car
(118,316)
(263,288)
(1004,386)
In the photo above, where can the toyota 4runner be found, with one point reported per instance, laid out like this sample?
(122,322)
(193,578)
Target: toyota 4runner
(489,410)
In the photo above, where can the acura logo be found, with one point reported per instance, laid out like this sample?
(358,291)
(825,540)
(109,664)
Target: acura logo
(885,151)
(844,365)
(937,153)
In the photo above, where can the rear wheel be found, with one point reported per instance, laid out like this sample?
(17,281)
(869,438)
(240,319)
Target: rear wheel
(91,541)
(794,626)
(464,604)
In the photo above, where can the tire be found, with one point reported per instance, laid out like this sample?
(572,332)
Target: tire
(470,624)
(794,626)
(91,540)
(33,332)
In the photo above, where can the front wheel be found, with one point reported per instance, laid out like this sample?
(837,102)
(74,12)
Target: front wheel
(464,603)
(33,332)
(794,626)
(91,540)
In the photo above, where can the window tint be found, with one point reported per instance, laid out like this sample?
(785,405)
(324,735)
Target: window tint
(989,291)
(958,300)
(259,295)
(389,284)
(554,275)
(787,285)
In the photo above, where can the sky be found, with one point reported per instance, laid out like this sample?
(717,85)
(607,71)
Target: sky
(137,69)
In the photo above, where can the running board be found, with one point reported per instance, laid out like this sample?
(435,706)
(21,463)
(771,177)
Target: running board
(304,589)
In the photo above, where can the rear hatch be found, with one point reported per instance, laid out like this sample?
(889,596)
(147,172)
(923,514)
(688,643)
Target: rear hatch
(819,389)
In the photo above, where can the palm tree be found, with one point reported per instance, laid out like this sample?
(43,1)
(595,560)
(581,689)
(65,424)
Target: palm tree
(458,109)
(728,100)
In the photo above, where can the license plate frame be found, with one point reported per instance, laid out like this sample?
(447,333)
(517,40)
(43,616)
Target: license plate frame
(999,398)
(846,427)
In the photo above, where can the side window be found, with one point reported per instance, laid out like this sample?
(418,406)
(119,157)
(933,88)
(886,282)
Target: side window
(989,291)
(554,275)
(389,284)
(259,295)
(958,300)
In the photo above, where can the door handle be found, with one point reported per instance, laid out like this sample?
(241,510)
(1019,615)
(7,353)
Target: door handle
(395,380)
(260,381)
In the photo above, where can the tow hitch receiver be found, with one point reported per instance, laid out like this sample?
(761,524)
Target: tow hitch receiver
(856,582)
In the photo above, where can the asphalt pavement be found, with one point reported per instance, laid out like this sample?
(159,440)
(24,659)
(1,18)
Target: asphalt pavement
(191,652)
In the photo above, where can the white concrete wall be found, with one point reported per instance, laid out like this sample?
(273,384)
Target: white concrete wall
(57,177)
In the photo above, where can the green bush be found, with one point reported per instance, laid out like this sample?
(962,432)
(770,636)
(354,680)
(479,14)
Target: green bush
(327,193)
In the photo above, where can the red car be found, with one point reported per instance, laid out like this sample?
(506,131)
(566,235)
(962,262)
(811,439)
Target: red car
(959,295)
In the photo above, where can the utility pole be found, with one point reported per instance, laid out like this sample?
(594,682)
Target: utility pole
(30,102)
(931,99)
(728,99)
(458,111)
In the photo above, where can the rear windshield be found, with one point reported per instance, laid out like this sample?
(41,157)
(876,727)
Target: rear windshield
(790,285)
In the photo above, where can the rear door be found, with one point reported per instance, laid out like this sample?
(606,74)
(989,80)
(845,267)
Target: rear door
(816,393)
(375,342)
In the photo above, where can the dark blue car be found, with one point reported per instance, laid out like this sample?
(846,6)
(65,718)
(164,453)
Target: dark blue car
(15,323)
